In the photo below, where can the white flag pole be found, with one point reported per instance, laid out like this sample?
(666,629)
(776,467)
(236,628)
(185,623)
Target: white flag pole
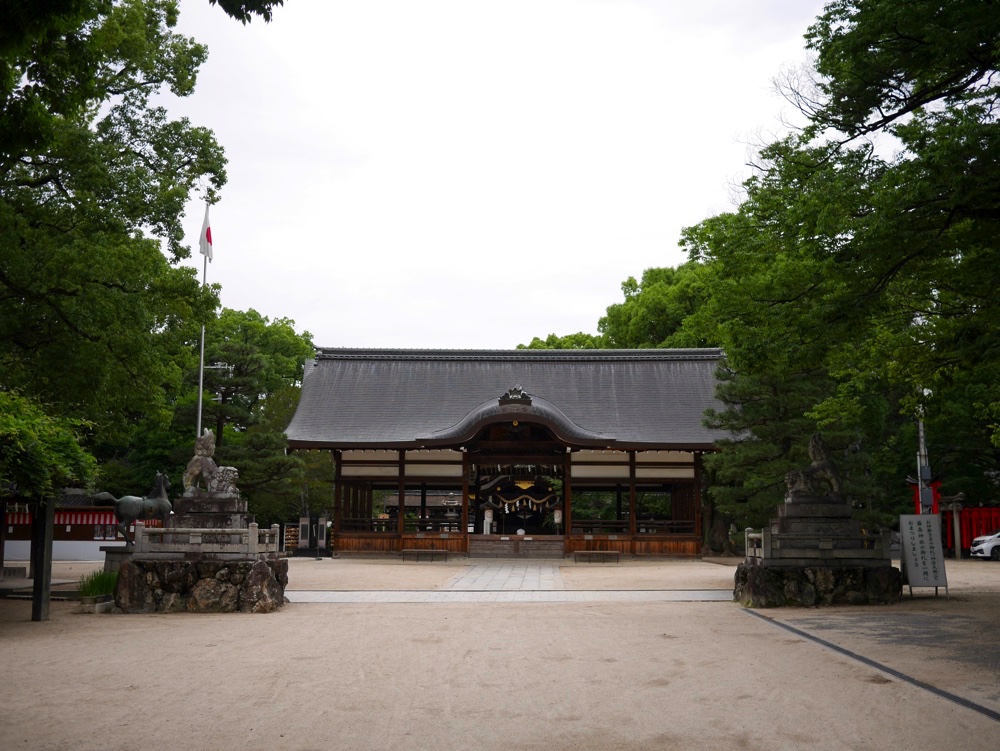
(205,245)
(201,359)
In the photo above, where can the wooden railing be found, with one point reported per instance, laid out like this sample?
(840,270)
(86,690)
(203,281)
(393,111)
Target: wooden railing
(642,527)
(368,525)
(599,527)
(664,527)
(409,525)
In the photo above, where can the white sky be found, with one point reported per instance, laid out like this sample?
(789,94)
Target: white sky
(474,173)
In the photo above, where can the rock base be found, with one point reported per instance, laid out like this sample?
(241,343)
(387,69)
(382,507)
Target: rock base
(156,586)
(762,586)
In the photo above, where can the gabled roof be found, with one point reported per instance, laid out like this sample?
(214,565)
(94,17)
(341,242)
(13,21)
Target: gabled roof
(399,398)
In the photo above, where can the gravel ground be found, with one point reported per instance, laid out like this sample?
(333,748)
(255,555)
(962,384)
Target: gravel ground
(582,676)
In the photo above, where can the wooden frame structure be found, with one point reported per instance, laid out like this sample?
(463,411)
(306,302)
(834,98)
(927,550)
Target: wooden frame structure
(547,453)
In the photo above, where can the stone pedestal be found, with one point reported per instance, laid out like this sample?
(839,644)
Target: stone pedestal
(115,556)
(761,586)
(814,553)
(247,586)
(203,509)
(209,557)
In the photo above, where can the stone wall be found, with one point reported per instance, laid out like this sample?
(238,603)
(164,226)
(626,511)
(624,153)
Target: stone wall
(778,586)
(249,586)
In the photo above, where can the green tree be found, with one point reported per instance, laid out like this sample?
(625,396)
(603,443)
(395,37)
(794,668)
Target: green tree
(255,396)
(853,286)
(39,453)
(580,340)
(259,358)
(90,308)
(661,310)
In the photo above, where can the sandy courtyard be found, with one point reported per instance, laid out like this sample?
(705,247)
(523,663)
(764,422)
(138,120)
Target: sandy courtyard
(518,675)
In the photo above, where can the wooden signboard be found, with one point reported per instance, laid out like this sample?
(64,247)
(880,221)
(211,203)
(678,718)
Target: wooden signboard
(923,555)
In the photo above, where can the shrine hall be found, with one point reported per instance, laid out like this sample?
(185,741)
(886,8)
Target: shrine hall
(519,453)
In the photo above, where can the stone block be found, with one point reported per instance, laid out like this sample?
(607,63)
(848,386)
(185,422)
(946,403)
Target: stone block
(212,596)
(132,594)
(260,592)
(209,504)
(807,510)
(762,586)
(206,586)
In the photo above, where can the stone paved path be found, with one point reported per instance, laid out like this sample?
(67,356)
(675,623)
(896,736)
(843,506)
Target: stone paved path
(437,596)
(508,576)
(509,582)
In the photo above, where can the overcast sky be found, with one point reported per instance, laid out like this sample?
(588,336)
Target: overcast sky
(472,174)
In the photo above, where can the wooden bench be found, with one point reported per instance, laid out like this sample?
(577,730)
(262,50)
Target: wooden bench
(601,555)
(431,553)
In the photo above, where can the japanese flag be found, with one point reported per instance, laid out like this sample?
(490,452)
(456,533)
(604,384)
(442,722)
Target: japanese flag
(206,237)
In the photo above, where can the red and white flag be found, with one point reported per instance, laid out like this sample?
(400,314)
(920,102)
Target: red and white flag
(206,237)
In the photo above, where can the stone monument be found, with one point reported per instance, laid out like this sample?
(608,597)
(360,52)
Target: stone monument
(209,556)
(814,553)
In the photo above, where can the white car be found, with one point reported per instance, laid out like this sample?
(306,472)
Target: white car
(987,546)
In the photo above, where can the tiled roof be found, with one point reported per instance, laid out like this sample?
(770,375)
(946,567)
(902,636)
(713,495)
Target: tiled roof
(399,398)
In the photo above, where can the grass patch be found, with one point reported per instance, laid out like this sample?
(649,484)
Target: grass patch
(98,583)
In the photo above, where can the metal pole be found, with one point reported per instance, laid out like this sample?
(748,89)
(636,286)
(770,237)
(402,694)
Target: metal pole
(201,358)
(923,471)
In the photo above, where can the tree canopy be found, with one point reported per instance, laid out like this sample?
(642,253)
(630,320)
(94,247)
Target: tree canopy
(99,322)
(90,304)
(38,453)
(855,284)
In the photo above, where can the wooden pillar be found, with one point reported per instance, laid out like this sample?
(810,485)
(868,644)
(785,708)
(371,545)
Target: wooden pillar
(465,493)
(401,521)
(369,502)
(632,502)
(423,502)
(567,498)
(618,502)
(41,557)
(697,500)
(338,491)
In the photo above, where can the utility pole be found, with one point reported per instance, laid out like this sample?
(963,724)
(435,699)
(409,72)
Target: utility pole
(925,492)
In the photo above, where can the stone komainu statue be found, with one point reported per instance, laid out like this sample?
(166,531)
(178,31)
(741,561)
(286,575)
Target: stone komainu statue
(819,479)
(202,466)
(224,480)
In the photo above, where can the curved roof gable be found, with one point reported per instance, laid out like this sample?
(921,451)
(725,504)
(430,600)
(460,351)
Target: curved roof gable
(516,404)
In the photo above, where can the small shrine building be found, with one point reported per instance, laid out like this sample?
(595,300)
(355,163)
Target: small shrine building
(545,452)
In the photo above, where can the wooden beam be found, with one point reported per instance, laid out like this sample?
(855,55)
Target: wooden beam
(338,491)
(465,494)
(567,500)
(537,447)
(698,503)
(632,501)
(547,460)
(401,520)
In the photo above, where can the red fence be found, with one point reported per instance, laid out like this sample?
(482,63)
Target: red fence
(75,517)
(973,522)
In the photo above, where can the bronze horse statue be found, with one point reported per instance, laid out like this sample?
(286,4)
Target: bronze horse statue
(131,508)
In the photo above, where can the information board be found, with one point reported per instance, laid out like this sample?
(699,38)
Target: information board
(923,555)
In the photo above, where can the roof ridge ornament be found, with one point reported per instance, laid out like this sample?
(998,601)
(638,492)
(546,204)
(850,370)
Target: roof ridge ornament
(516,395)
